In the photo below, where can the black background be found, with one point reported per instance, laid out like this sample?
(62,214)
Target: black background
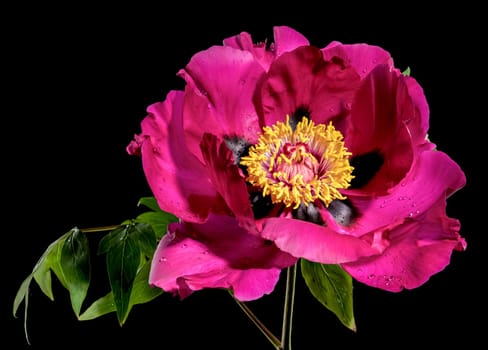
(77,81)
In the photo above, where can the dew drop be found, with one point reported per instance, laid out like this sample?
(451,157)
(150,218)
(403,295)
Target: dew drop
(383,204)
(388,279)
(375,61)
(184,245)
(162,259)
(371,276)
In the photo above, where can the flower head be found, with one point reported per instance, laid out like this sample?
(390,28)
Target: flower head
(321,153)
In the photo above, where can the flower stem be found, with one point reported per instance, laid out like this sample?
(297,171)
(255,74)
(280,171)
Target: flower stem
(267,333)
(285,343)
(291,274)
(100,228)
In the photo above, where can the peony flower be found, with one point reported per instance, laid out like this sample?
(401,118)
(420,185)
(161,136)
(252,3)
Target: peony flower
(300,152)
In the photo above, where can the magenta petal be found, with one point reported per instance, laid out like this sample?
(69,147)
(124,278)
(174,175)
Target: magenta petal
(418,249)
(315,243)
(285,39)
(218,97)
(363,57)
(387,120)
(227,179)
(176,177)
(433,176)
(217,254)
(302,79)
(420,107)
(244,41)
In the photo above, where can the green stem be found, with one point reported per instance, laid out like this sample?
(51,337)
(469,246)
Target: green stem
(285,343)
(291,274)
(267,333)
(100,228)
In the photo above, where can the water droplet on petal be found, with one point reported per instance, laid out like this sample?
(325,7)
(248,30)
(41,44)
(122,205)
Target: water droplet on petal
(371,276)
(184,245)
(162,259)
(375,61)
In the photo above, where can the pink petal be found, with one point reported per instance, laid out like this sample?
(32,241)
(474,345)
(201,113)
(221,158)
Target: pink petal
(217,254)
(218,97)
(176,177)
(227,179)
(243,41)
(433,176)
(285,39)
(385,119)
(420,109)
(418,249)
(314,242)
(302,79)
(362,57)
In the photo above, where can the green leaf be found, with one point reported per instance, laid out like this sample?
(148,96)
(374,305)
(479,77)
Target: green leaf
(144,235)
(100,307)
(23,296)
(123,258)
(157,218)
(112,239)
(75,267)
(149,202)
(142,293)
(406,72)
(332,287)
(43,278)
(40,273)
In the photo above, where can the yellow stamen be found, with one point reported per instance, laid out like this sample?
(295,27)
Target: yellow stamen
(299,166)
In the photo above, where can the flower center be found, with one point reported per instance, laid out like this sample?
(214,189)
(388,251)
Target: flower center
(295,166)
